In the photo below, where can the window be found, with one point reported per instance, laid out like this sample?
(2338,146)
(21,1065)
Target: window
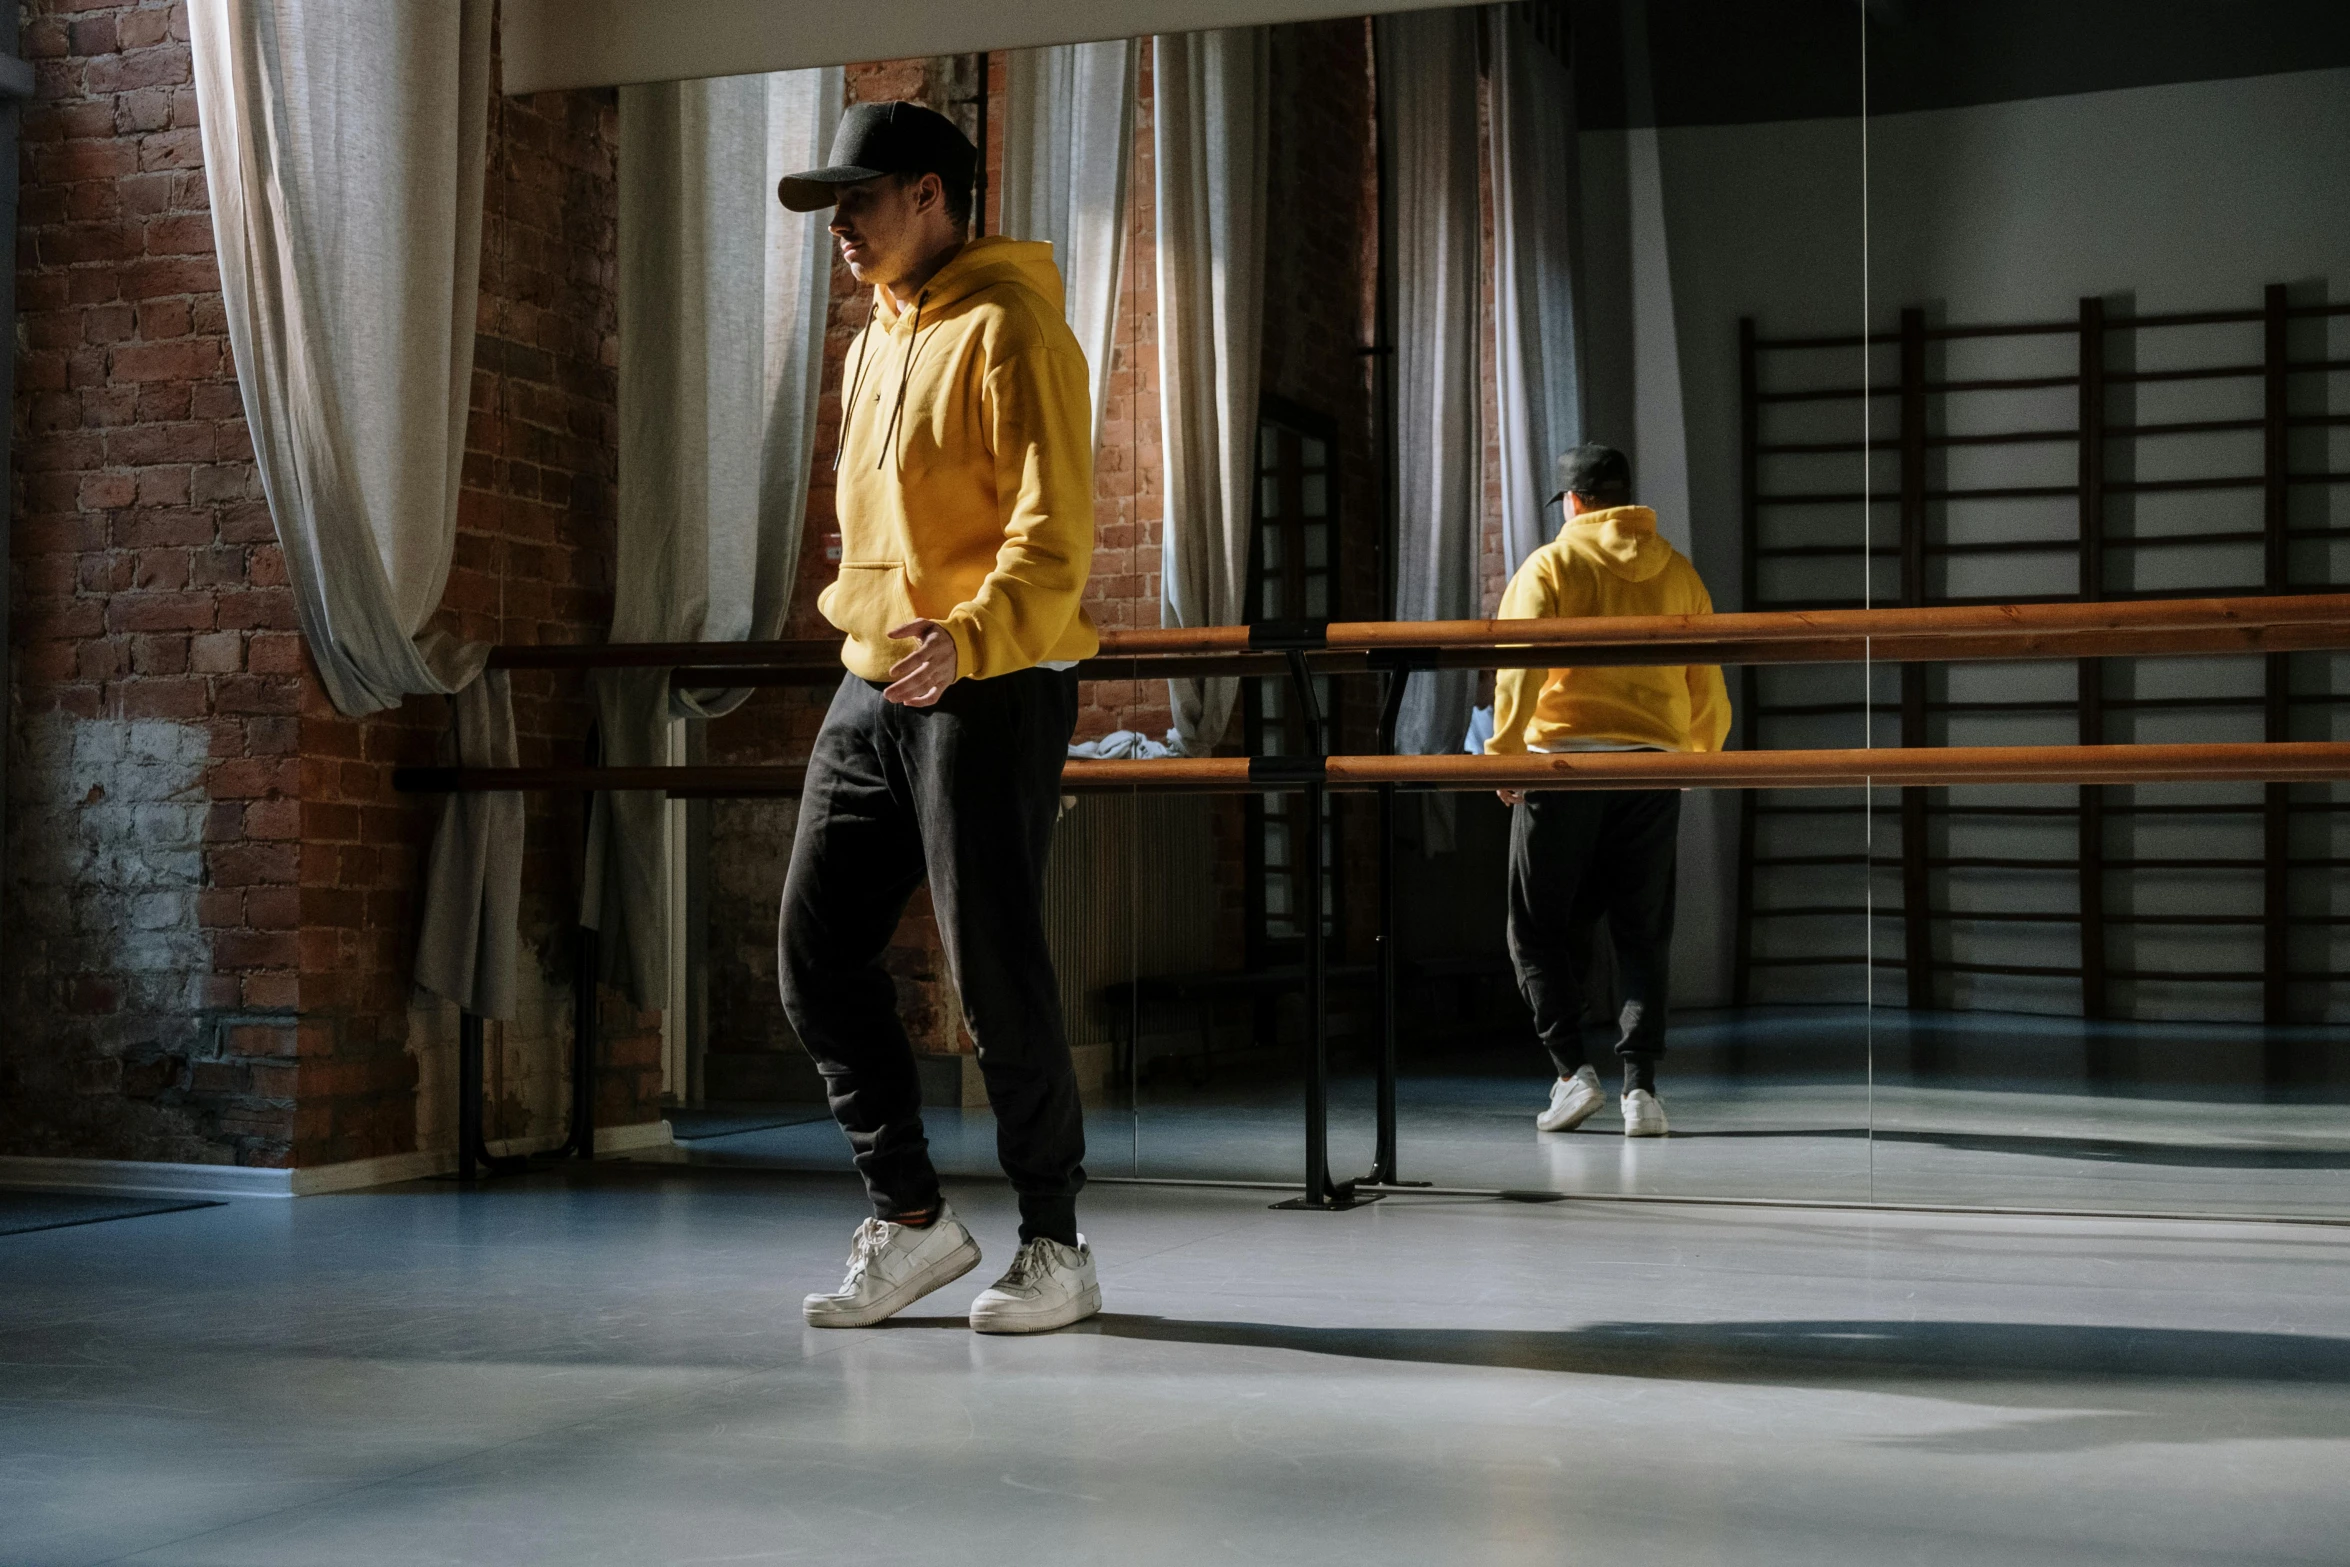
(1293,572)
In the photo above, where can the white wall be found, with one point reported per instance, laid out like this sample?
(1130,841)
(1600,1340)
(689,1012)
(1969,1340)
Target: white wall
(2176,197)
(2189,197)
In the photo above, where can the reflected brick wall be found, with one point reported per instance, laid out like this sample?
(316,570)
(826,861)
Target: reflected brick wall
(746,1016)
(1321,257)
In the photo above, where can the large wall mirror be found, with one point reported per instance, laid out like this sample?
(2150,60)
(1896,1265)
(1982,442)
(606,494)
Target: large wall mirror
(1888,306)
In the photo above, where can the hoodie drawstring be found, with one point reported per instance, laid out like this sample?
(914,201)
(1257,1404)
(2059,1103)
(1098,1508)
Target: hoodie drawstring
(889,437)
(848,410)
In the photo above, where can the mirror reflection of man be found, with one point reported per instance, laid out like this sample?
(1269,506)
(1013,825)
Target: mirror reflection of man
(965,499)
(1580,856)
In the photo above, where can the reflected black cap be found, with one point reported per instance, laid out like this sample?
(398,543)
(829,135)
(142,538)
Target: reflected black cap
(884,138)
(1597,473)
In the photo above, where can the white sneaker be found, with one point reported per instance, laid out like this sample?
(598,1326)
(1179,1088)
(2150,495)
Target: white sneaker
(891,1266)
(1643,1116)
(1572,1101)
(1048,1286)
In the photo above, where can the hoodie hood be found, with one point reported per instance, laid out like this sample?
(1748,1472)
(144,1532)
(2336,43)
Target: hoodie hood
(983,263)
(1620,540)
(1603,563)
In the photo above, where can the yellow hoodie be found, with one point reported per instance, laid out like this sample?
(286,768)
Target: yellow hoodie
(1608,563)
(965,488)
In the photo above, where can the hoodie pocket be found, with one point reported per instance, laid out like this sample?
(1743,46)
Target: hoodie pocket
(867,599)
(937,587)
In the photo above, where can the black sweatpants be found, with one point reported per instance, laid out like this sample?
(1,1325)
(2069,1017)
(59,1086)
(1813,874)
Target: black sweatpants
(965,792)
(1577,857)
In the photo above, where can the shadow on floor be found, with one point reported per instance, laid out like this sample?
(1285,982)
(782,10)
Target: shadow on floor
(1780,1352)
(22,1212)
(693,1126)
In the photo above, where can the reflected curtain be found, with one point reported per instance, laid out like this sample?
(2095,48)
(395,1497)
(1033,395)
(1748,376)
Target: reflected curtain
(1530,147)
(1068,141)
(1427,65)
(1209,129)
(343,148)
(722,314)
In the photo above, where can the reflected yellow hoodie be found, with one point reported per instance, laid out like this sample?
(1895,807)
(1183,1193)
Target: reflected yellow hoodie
(965,487)
(1608,563)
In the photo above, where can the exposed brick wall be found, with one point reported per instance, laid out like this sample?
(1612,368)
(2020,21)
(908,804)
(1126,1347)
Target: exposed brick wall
(1129,471)
(216,912)
(991,152)
(152,902)
(211,886)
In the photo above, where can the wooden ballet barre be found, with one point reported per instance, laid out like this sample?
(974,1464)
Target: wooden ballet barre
(2127,629)
(1919,767)
(1691,634)
(2108,643)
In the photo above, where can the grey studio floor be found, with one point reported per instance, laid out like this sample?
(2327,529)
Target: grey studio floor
(605,1365)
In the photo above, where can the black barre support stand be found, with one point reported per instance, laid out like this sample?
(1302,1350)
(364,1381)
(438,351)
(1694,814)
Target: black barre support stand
(1383,1158)
(586,1042)
(474,1158)
(473,1150)
(1294,640)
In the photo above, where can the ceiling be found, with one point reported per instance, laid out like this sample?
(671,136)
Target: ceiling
(601,43)
(1637,62)
(1728,62)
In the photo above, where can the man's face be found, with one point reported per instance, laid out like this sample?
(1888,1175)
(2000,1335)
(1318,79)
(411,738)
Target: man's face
(885,226)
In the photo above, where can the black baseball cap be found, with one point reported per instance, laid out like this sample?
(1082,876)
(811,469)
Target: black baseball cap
(883,138)
(1593,472)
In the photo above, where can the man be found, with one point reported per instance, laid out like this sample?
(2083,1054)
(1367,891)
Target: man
(965,498)
(1579,856)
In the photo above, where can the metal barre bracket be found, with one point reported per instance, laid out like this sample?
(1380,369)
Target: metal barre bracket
(1300,770)
(1283,636)
(1400,661)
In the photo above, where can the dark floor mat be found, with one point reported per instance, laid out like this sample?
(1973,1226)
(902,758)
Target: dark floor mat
(24,1211)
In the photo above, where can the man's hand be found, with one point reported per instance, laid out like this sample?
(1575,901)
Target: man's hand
(1512,796)
(922,676)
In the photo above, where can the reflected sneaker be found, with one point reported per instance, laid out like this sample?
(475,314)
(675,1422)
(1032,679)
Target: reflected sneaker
(1643,1116)
(1048,1286)
(1572,1101)
(891,1266)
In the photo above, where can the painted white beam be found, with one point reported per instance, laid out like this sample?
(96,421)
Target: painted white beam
(602,43)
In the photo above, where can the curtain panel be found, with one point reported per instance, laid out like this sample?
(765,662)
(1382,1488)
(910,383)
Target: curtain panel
(1209,130)
(723,296)
(1068,141)
(1530,147)
(1427,84)
(343,147)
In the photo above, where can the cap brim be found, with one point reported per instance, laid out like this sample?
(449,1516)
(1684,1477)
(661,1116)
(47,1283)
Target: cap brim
(820,188)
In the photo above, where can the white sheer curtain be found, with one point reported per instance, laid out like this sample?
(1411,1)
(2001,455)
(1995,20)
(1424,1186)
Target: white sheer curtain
(1530,146)
(343,152)
(1427,64)
(722,313)
(1209,140)
(1068,141)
